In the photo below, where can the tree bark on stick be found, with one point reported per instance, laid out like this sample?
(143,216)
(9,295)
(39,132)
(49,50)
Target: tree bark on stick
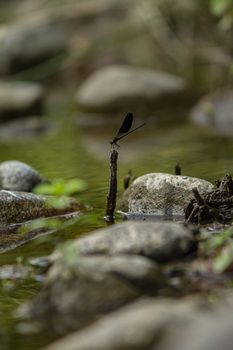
(112,192)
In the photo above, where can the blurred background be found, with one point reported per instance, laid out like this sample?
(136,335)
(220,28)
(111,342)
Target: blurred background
(71,70)
(69,73)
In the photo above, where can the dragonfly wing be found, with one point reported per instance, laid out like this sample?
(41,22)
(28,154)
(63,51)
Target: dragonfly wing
(126,125)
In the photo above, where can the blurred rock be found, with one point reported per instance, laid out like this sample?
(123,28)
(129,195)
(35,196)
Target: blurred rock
(209,332)
(46,34)
(23,129)
(121,88)
(18,176)
(162,194)
(19,99)
(78,289)
(137,326)
(26,44)
(215,111)
(162,242)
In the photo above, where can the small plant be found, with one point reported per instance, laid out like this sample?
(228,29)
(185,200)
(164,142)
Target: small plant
(61,187)
(221,247)
(223,9)
(224,260)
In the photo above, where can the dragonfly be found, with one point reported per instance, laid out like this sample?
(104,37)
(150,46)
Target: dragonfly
(125,129)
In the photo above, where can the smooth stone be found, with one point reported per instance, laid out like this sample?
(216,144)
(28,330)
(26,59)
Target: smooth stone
(25,44)
(212,332)
(18,207)
(215,111)
(18,176)
(15,235)
(23,129)
(77,289)
(46,32)
(137,326)
(20,99)
(118,88)
(162,194)
(163,241)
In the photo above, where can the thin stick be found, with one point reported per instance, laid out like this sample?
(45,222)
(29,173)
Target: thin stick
(112,193)
(177,169)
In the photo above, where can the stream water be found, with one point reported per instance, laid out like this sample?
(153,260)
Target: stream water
(71,150)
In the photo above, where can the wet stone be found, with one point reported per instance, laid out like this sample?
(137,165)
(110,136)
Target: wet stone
(20,99)
(18,176)
(161,194)
(215,111)
(78,289)
(164,241)
(137,326)
(117,88)
(18,207)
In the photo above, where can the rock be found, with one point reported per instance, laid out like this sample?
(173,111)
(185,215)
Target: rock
(137,326)
(210,333)
(162,242)
(120,88)
(18,207)
(162,194)
(26,44)
(215,111)
(19,99)
(18,176)
(23,129)
(78,289)
(45,33)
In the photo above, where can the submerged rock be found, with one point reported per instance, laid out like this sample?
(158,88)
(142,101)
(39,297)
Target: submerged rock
(162,242)
(78,289)
(20,99)
(117,88)
(215,111)
(18,176)
(162,194)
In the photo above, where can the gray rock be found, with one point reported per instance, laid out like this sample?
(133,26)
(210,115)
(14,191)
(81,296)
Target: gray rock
(137,326)
(78,289)
(117,88)
(162,194)
(19,99)
(45,32)
(23,129)
(212,332)
(23,45)
(18,176)
(215,111)
(163,241)
(18,207)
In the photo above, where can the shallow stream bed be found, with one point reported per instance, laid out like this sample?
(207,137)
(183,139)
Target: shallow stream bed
(69,151)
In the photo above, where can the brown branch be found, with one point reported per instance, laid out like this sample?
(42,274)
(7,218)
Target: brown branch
(112,192)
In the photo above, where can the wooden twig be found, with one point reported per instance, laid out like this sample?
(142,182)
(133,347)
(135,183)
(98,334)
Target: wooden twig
(177,169)
(112,192)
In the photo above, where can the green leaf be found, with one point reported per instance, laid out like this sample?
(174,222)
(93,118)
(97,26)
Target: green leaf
(219,239)
(60,187)
(224,260)
(219,7)
(58,202)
